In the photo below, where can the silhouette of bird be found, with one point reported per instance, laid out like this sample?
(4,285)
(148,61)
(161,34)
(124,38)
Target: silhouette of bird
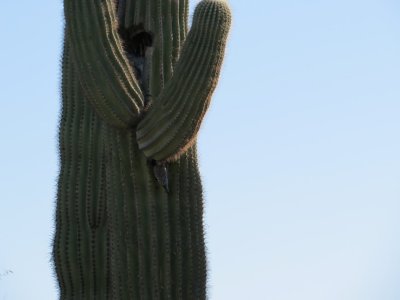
(161,174)
(137,44)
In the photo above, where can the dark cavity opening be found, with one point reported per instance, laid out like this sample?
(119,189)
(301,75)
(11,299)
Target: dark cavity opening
(136,40)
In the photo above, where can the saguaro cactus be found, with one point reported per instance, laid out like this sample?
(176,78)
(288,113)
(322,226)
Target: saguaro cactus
(136,85)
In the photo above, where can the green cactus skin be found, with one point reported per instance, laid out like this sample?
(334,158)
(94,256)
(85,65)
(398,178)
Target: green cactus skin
(136,85)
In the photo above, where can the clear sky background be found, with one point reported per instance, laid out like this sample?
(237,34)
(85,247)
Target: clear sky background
(300,151)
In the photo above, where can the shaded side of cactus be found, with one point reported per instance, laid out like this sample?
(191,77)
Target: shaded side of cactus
(136,85)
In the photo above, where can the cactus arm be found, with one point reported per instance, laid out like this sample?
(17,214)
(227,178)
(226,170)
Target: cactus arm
(104,70)
(170,126)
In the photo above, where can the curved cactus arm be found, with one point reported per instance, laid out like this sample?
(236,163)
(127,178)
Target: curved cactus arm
(171,124)
(104,70)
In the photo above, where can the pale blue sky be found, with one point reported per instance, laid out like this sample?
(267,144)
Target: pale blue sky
(300,151)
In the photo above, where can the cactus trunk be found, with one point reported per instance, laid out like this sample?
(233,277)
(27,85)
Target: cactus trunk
(136,85)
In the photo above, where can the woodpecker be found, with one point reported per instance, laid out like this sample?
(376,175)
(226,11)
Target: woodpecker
(137,44)
(161,174)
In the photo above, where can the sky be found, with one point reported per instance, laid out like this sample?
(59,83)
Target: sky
(299,152)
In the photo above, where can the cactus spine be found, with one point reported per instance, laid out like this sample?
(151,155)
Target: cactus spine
(136,85)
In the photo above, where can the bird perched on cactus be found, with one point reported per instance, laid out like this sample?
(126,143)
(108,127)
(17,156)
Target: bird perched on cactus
(136,85)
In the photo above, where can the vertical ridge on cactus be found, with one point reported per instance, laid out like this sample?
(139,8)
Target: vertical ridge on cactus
(136,85)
